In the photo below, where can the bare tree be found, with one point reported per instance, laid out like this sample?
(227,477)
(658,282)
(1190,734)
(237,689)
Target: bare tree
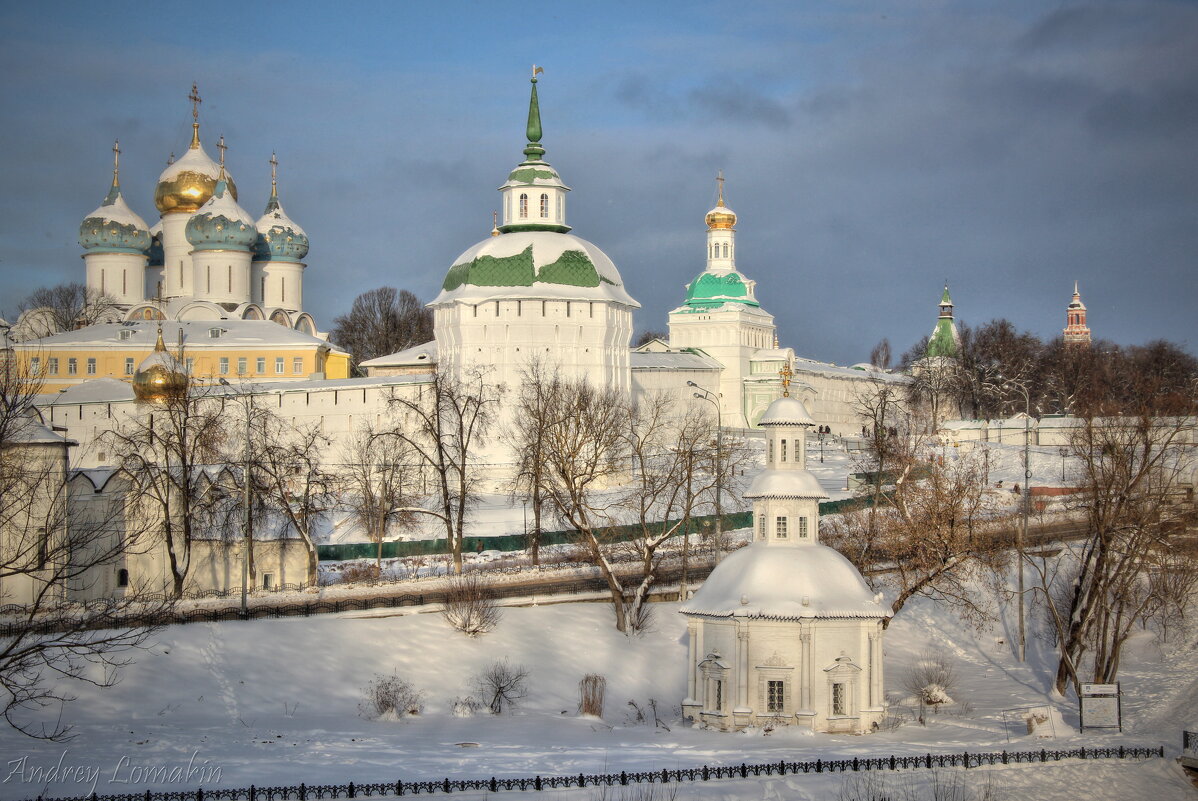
(933,532)
(54,551)
(444,424)
(1131,471)
(165,453)
(298,488)
(378,482)
(880,356)
(382,321)
(64,307)
(501,685)
(526,433)
(648,335)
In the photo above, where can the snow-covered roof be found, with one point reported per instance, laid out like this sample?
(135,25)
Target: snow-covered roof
(28,431)
(424,353)
(96,390)
(672,360)
(234,333)
(785,583)
(98,476)
(785,484)
(786,411)
(804,365)
(538,265)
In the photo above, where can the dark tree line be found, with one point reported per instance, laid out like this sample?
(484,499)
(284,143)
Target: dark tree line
(382,321)
(996,362)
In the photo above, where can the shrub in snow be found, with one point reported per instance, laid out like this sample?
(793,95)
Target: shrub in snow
(591,691)
(466,707)
(932,679)
(936,784)
(359,572)
(390,698)
(470,605)
(501,686)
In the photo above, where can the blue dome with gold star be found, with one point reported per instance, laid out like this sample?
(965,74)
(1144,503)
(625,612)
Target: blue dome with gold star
(114,227)
(221,224)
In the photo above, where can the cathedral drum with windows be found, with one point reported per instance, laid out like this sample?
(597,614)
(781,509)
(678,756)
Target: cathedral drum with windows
(785,630)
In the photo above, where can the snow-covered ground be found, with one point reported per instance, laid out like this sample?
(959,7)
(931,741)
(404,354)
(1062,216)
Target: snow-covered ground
(276,702)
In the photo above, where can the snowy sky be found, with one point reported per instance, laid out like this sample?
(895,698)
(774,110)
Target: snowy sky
(872,150)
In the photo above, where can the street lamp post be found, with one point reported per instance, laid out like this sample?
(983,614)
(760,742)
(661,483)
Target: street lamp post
(1021,532)
(706,395)
(245,501)
(1064,452)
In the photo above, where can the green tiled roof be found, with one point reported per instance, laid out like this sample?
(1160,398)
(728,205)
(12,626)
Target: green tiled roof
(710,290)
(572,268)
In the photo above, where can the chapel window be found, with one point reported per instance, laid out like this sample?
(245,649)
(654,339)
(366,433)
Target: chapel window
(780,525)
(839,699)
(783,450)
(545,206)
(774,695)
(523,206)
(761,527)
(725,250)
(802,528)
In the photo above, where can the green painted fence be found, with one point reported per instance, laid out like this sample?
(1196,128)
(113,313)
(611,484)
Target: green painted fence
(517,542)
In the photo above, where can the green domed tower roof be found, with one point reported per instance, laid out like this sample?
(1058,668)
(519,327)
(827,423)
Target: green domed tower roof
(944,339)
(710,291)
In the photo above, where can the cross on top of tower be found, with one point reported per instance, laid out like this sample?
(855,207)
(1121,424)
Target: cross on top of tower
(786,374)
(274,168)
(720,181)
(116,159)
(222,147)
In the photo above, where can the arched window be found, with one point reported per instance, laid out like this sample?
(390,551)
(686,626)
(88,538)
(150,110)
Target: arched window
(122,578)
(544,207)
(725,250)
(523,207)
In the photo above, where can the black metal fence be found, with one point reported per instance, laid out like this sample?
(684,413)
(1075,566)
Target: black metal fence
(305,792)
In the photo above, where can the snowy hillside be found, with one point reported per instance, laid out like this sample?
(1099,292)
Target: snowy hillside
(276,702)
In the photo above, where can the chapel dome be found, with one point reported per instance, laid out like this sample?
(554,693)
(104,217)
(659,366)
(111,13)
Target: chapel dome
(786,411)
(760,581)
(114,227)
(279,239)
(160,376)
(786,484)
(221,224)
(541,265)
(187,184)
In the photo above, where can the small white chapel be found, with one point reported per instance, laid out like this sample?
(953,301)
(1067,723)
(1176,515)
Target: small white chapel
(785,630)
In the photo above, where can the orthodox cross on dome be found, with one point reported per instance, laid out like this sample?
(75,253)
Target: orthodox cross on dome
(222,147)
(494,223)
(786,374)
(719,177)
(194,97)
(274,169)
(116,161)
(170,159)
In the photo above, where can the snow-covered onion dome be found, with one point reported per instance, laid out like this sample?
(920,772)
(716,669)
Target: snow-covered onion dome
(114,227)
(721,218)
(279,238)
(160,376)
(187,184)
(221,224)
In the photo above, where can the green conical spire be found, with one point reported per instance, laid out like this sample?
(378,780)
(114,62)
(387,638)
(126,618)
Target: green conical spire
(945,300)
(534,150)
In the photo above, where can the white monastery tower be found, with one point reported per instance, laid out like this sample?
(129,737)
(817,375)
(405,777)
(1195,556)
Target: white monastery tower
(785,630)
(722,317)
(534,291)
(116,244)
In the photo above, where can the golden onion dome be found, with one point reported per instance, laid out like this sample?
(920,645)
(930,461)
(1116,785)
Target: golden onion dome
(721,218)
(189,183)
(159,377)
